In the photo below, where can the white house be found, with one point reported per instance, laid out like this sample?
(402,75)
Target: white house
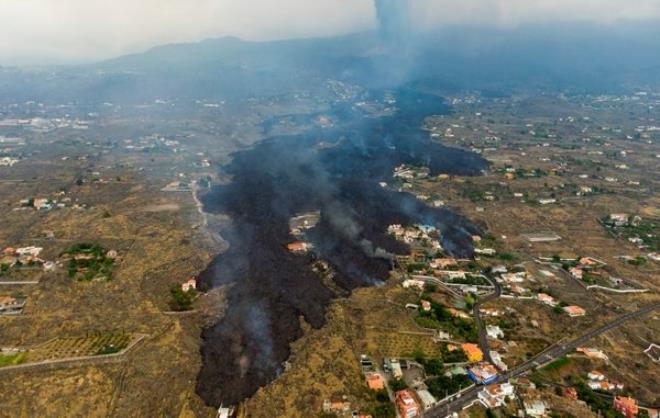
(535,409)
(494,332)
(190,284)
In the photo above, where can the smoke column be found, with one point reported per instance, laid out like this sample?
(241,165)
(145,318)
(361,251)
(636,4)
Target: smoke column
(394,19)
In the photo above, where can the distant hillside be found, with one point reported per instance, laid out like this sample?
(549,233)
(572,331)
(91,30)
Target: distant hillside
(590,58)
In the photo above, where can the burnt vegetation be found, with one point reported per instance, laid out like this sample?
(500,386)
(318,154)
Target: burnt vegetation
(284,176)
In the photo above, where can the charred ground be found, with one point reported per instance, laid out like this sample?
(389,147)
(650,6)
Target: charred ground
(271,288)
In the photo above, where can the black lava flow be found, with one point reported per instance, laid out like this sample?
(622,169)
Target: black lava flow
(272,288)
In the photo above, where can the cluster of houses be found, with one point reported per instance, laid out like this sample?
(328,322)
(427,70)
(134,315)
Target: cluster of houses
(598,381)
(340,405)
(482,372)
(426,236)
(586,265)
(151,142)
(177,186)
(496,395)
(26,256)
(627,406)
(406,172)
(512,286)
(572,310)
(8,161)
(299,224)
(621,220)
(410,402)
(46,203)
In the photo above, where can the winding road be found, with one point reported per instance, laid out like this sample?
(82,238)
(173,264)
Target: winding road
(483,334)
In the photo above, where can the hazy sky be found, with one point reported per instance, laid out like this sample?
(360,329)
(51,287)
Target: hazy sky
(34,31)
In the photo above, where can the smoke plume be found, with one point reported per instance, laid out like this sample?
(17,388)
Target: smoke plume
(394,19)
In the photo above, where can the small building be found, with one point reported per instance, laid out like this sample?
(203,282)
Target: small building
(570,393)
(366,362)
(494,332)
(483,373)
(395,368)
(189,284)
(494,396)
(297,247)
(501,269)
(525,383)
(443,335)
(513,277)
(10,305)
(535,408)
(32,251)
(419,284)
(576,272)
(497,360)
(574,311)
(490,312)
(472,352)
(593,353)
(426,399)
(547,201)
(336,404)
(485,251)
(375,381)
(42,204)
(49,266)
(619,219)
(626,405)
(225,412)
(407,405)
(442,263)
(456,371)
(547,299)
(591,262)
(596,375)
(426,305)
(458,314)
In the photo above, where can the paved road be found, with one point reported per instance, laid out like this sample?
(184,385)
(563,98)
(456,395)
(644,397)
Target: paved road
(436,281)
(550,354)
(483,335)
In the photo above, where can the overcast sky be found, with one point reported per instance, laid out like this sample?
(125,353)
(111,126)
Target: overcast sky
(48,31)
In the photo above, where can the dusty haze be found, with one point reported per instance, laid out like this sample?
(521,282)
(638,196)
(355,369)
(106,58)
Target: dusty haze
(70,31)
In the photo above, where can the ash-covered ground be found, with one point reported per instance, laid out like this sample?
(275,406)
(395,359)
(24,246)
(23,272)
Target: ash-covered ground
(285,176)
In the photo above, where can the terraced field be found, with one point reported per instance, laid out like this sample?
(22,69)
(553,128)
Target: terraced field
(68,347)
(401,345)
